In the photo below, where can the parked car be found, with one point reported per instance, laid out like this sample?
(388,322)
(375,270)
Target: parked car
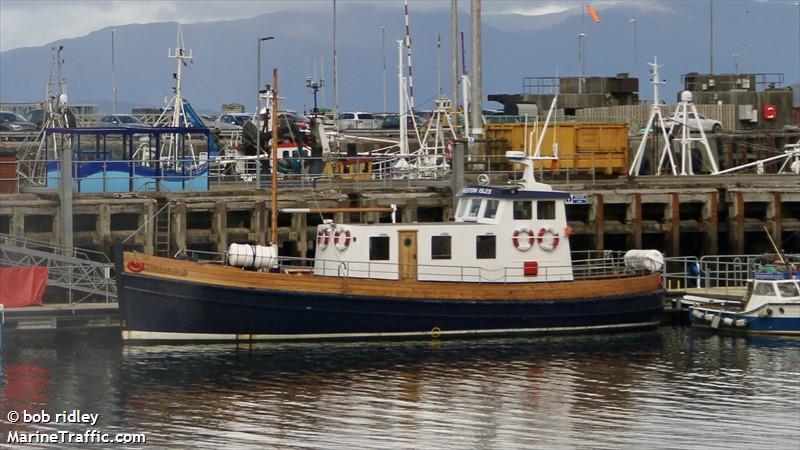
(10,121)
(714,126)
(296,120)
(392,121)
(232,121)
(357,120)
(121,120)
(37,117)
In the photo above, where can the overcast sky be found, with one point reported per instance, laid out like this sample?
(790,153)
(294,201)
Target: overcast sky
(27,23)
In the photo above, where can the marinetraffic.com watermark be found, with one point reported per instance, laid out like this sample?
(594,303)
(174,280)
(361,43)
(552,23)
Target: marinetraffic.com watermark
(89,435)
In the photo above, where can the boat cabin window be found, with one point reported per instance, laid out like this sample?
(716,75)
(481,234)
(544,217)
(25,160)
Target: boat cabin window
(523,210)
(764,289)
(788,289)
(441,247)
(485,247)
(491,209)
(474,207)
(546,210)
(379,248)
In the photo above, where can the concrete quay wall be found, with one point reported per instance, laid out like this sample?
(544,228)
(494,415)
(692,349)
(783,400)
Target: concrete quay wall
(680,216)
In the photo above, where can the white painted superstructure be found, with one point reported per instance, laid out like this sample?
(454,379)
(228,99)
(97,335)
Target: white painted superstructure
(508,234)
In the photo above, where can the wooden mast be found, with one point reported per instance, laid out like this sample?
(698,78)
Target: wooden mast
(274,224)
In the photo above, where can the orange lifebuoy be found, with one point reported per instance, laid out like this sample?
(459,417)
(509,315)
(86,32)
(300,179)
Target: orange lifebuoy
(341,243)
(323,238)
(135,266)
(548,246)
(568,231)
(523,244)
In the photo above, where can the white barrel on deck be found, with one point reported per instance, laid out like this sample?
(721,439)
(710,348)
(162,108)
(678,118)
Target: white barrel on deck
(651,260)
(253,256)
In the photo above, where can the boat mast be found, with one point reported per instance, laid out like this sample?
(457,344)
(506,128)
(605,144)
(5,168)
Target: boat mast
(113,74)
(453,56)
(408,53)
(401,106)
(274,222)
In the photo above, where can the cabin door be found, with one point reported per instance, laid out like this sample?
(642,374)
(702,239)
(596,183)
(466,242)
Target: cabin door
(408,254)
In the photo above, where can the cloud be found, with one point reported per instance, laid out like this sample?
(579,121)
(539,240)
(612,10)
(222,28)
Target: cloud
(27,23)
(53,20)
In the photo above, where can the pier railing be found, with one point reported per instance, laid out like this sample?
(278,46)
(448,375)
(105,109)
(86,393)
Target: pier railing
(83,274)
(242,172)
(725,274)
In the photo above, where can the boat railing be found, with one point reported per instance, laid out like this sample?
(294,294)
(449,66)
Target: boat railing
(723,274)
(588,265)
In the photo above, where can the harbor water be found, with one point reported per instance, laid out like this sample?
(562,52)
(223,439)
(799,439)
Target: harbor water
(673,387)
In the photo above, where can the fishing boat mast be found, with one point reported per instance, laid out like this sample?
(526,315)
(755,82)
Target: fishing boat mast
(274,189)
(170,146)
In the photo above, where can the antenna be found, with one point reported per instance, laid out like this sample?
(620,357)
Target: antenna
(439,92)
(655,113)
(408,53)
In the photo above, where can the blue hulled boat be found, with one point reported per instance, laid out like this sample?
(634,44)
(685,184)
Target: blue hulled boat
(503,266)
(770,306)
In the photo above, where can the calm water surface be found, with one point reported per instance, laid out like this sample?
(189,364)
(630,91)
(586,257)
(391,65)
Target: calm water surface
(668,388)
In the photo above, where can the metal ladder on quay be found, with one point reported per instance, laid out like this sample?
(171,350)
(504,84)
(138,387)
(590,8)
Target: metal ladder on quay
(84,274)
(163,228)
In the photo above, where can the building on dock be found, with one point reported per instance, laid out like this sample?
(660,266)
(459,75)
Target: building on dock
(758,101)
(575,93)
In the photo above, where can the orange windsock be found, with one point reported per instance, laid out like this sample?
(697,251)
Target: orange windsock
(593,12)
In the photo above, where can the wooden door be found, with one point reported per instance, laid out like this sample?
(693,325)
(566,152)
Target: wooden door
(408,254)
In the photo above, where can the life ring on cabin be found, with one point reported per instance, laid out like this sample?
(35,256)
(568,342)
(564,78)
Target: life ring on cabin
(770,112)
(521,243)
(135,266)
(323,238)
(545,245)
(341,240)
(568,231)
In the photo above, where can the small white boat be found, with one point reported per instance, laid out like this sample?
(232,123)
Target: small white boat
(770,306)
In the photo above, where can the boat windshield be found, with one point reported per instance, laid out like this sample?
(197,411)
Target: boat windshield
(788,289)
(764,288)
(474,207)
(491,209)
(460,210)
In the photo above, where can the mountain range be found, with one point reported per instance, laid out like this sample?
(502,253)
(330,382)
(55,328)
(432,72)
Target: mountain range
(759,36)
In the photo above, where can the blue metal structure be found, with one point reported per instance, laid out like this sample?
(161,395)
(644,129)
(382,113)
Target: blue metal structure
(129,159)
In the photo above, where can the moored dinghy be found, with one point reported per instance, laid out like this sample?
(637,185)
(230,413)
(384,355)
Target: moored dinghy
(503,266)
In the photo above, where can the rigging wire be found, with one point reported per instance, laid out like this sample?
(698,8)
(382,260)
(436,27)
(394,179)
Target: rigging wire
(194,74)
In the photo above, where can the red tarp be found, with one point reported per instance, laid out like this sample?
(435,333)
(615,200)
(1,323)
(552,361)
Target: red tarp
(22,286)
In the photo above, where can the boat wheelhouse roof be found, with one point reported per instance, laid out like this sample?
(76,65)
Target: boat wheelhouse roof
(512,192)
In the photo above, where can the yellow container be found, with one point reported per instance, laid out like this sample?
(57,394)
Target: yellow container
(582,146)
